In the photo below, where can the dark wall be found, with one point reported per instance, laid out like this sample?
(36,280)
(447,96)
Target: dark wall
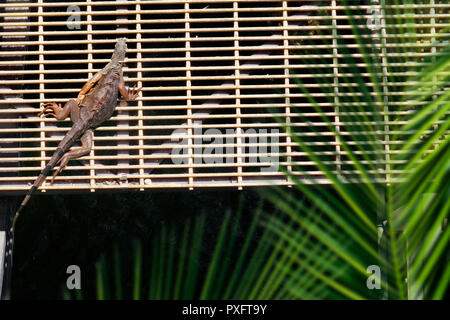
(54,232)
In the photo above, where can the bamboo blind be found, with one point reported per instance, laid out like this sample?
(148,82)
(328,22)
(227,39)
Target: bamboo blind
(210,70)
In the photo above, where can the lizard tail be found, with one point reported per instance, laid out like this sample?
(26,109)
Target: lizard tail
(62,148)
(55,158)
(36,184)
(68,140)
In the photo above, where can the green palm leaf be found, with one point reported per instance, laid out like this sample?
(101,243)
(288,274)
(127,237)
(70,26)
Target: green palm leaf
(411,204)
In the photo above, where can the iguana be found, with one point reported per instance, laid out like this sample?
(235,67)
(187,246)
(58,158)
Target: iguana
(95,104)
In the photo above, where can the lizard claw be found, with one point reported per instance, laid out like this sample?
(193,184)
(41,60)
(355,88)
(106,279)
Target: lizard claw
(133,93)
(49,109)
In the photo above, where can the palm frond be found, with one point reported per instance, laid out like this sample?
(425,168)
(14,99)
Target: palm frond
(410,206)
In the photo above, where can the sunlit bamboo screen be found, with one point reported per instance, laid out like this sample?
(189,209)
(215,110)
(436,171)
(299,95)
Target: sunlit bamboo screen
(211,71)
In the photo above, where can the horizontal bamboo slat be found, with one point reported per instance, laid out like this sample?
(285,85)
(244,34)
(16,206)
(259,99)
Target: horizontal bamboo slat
(222,71)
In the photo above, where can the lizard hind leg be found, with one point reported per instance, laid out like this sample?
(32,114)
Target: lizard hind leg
(85,149)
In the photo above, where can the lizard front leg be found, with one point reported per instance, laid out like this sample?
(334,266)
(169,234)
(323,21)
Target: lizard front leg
(85,149)
(130,94)
(53,109)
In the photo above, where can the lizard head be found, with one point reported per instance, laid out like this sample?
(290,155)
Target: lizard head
(119,51)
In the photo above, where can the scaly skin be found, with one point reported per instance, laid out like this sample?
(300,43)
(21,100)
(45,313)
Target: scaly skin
(95,104)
